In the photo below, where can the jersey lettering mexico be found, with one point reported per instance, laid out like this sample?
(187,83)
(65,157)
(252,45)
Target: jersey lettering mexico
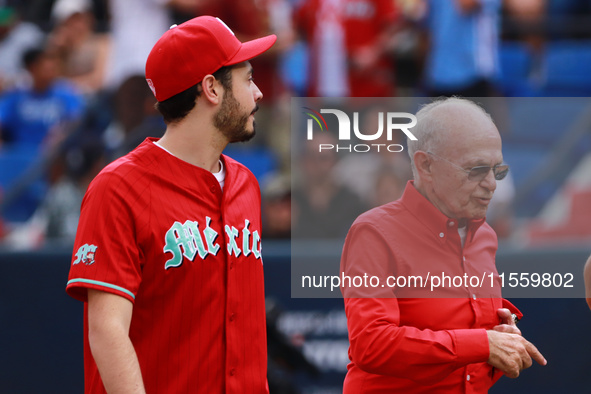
(159,231)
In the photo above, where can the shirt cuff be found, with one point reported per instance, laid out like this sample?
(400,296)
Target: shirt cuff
(471,346)
(77,288)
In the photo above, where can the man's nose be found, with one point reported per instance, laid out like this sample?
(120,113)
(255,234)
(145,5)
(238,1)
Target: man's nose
(258,95)
(489,182)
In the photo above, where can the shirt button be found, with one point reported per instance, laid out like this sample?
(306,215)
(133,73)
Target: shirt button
(468,378)
(474,297)
(212,188)
(441,235)
(450,224)
(231,265)
(232,317)
(464,258)
(232,372)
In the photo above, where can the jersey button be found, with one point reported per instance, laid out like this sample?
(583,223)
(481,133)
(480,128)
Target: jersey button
(212,188)
(232,317)
(232,372)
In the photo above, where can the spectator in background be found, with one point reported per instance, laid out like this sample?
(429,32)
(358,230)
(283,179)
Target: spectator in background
(361,171)
(323,207)
(276,207)
(389,186)
(56,219)
(350,46)
(16,37)
(526,19)
(83,52)
(39,115)
(34,121)
(135,117)
(135,27)
(462,57)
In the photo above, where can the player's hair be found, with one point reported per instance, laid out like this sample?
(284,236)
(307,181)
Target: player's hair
(429,126)
(175,108)
(31,56)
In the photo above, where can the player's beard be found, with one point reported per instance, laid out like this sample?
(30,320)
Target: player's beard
(231,122)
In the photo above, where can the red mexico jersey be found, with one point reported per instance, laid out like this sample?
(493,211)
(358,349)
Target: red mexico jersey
(161,233)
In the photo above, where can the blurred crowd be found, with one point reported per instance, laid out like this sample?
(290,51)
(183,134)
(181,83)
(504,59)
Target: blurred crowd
(73,95)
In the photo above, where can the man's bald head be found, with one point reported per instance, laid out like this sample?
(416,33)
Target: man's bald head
(455,136)
(447,124)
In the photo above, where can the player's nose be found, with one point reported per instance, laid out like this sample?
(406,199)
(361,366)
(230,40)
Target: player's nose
(258,95)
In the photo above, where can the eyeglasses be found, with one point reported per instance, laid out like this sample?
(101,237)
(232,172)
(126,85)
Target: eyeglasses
(478,173)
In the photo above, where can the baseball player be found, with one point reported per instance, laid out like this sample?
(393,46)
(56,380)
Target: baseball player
(167,257)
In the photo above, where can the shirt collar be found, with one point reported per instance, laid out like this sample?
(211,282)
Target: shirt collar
(428,214)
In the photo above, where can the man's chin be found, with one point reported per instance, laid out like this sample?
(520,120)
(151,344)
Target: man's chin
(245,136)
(480,214)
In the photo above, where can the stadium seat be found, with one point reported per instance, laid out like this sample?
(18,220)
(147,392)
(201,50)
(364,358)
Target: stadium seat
(566,66)
(523,160)
(542,121)
(516,61)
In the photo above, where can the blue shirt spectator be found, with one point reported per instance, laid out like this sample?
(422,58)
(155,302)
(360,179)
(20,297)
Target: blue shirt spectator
(463,56)
(29,115)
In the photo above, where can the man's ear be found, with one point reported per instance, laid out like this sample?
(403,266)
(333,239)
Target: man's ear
(211,89)
(423,162)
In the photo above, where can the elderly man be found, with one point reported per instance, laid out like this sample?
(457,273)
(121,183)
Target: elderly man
(414,339)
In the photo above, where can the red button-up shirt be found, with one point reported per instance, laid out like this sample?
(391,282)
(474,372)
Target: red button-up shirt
(402,343)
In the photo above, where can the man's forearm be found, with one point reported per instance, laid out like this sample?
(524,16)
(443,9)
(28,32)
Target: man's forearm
(117,362)
(109,319)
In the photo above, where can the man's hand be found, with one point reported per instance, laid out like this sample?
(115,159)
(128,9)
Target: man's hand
(507,323)
(511,353)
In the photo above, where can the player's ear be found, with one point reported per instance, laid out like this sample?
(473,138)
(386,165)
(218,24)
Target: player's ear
(212,89)
(423,163)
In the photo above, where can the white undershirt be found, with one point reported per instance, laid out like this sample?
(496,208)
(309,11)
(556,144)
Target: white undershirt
(220,175)
(463,231)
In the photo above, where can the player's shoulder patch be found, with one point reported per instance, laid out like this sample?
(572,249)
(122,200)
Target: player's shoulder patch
(85,254)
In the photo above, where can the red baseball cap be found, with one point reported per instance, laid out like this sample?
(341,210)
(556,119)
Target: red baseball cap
(186,53)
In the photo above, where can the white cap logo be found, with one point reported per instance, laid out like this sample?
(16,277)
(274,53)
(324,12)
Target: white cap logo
(151,85)
(226,26)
